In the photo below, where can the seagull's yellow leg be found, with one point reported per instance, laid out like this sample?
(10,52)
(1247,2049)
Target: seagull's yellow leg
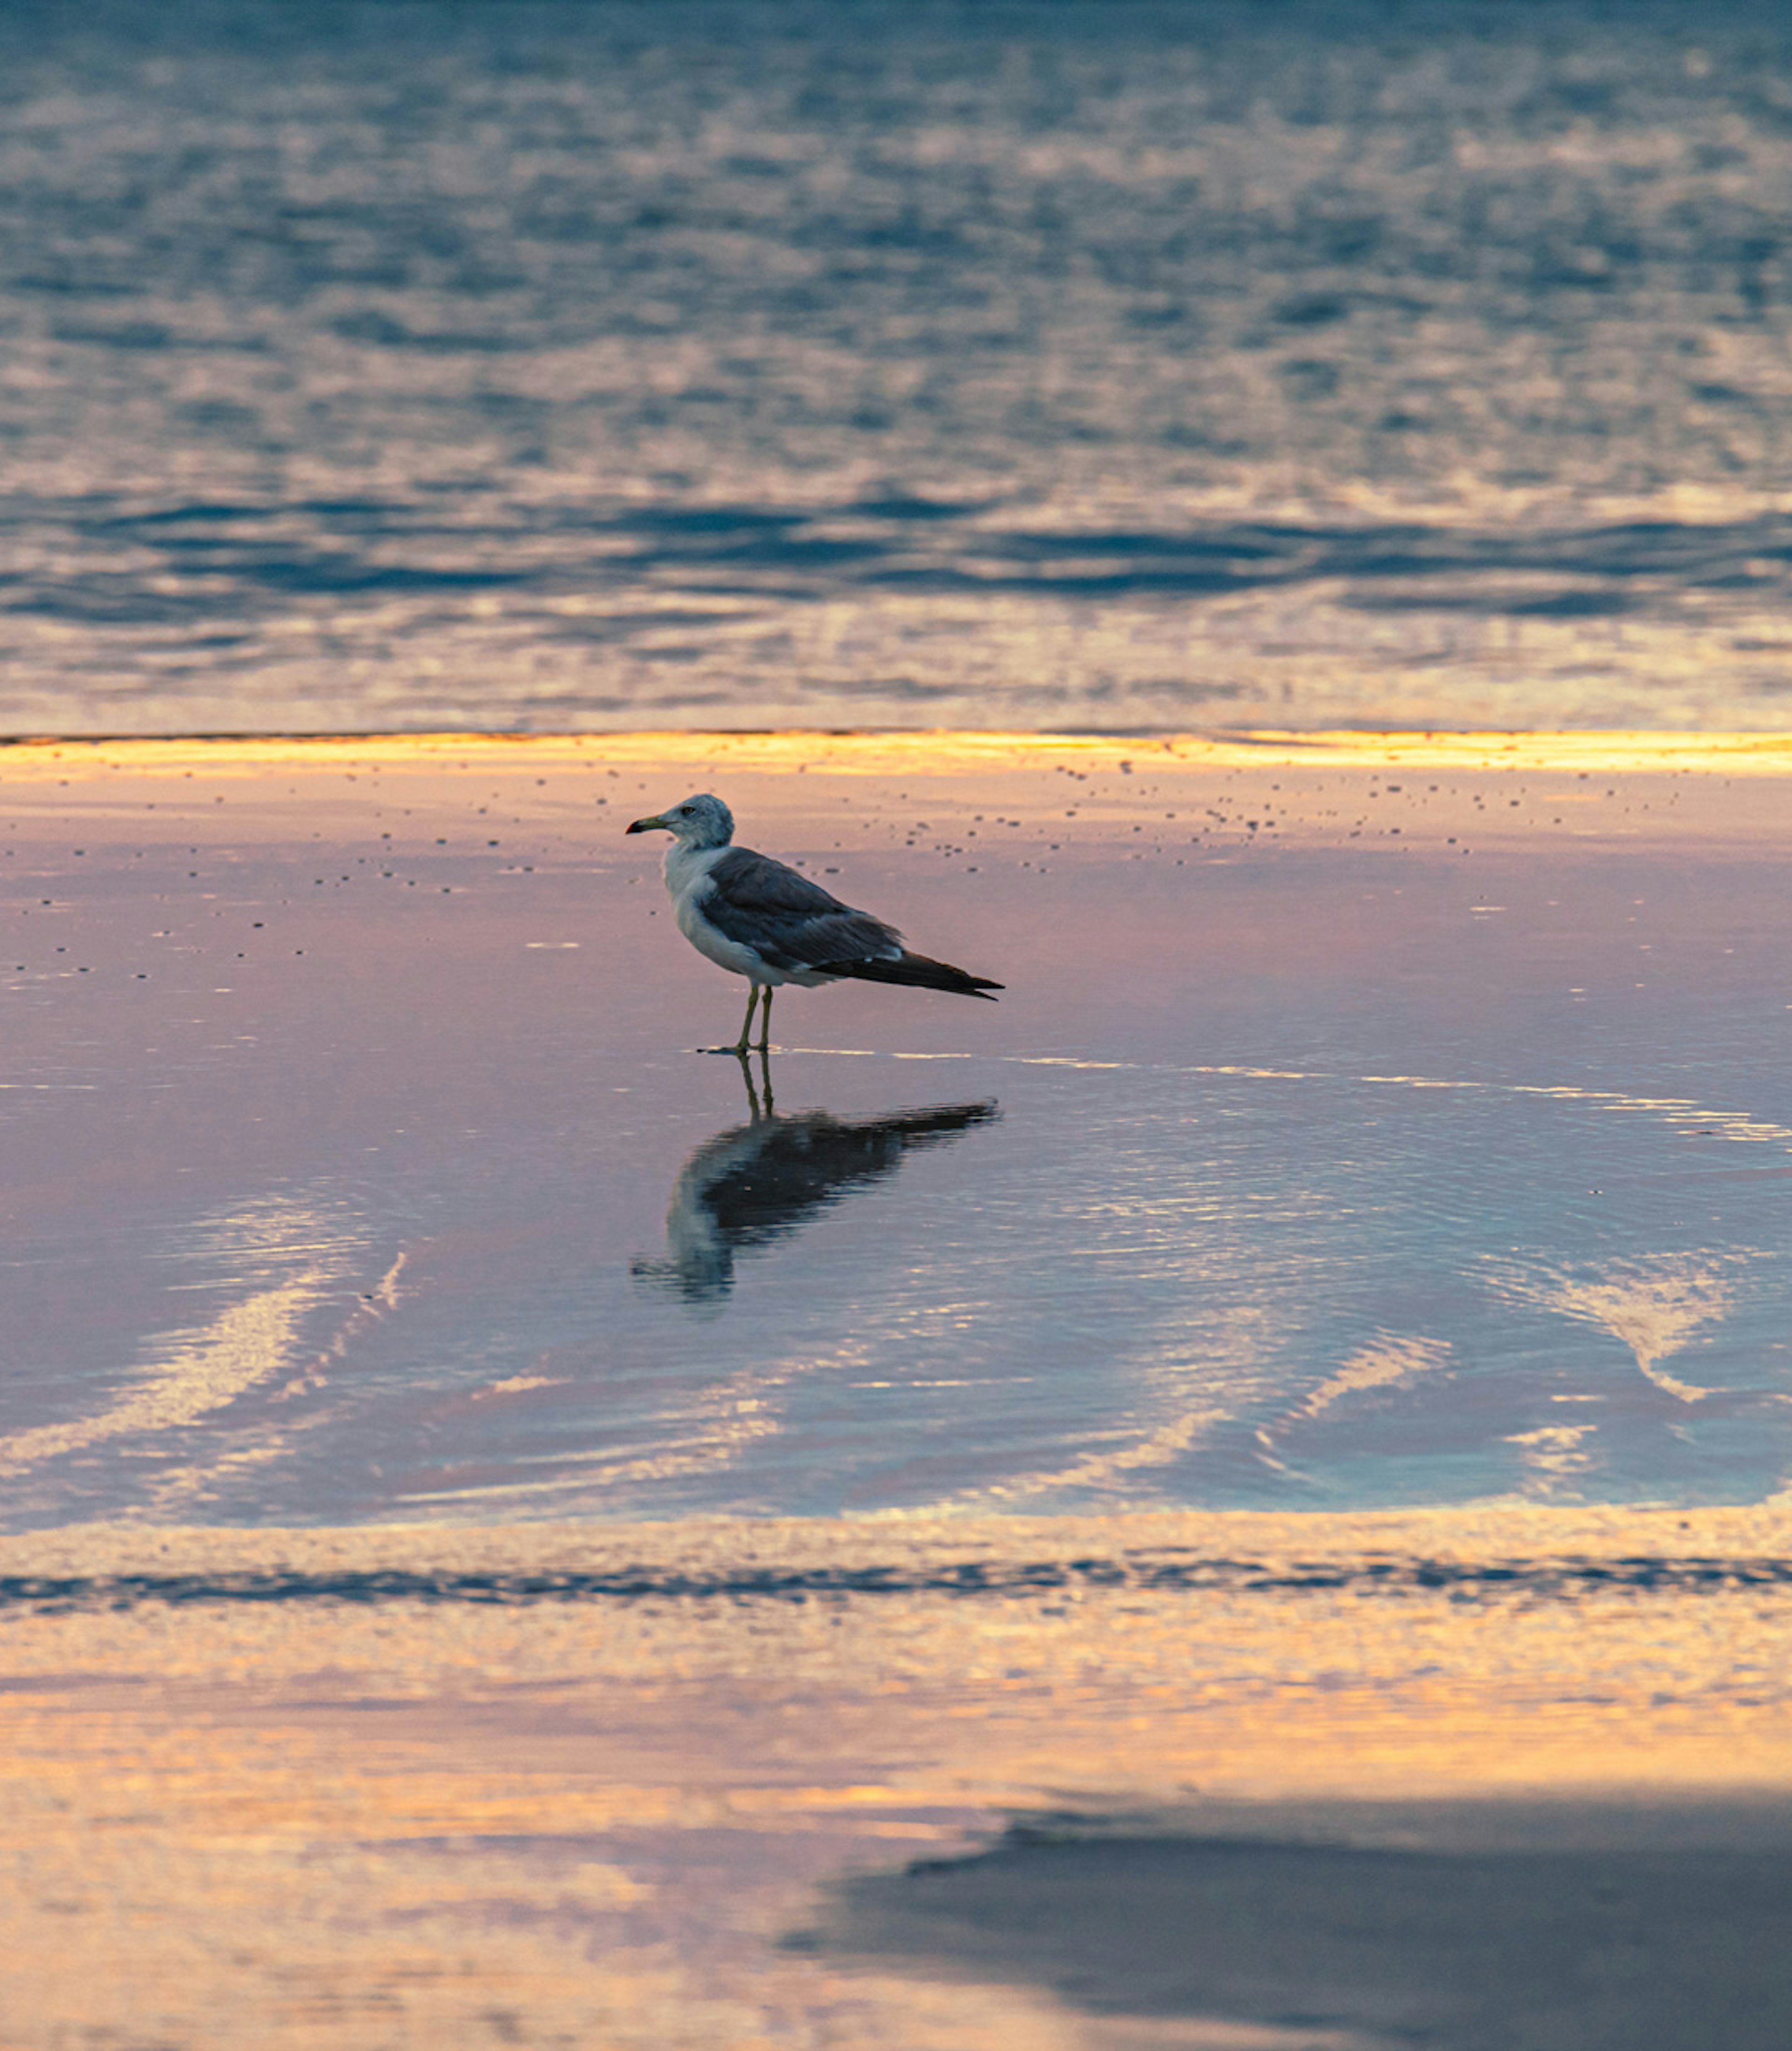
(765,1020)
(746,1039)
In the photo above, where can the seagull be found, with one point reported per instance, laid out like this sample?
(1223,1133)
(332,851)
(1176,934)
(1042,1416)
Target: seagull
(756,918)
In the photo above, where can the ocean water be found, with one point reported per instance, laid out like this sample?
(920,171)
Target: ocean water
(412,363)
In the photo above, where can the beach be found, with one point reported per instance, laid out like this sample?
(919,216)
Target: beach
(1235,1497)
(508,1540)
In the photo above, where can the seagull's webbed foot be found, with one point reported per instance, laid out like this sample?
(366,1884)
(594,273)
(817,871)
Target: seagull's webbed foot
(746,1043)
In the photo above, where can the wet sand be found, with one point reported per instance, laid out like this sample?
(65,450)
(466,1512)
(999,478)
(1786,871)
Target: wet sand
(1383,1144)
(551,1784)
(1317,1938)
(573,1785)
(434,1614)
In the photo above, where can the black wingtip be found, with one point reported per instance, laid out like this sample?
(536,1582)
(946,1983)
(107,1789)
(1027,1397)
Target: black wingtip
(913,971)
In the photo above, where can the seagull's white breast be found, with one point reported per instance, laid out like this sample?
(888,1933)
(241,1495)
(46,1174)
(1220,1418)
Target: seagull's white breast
(687,879)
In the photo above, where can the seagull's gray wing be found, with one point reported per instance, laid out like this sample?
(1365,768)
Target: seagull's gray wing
(790,922)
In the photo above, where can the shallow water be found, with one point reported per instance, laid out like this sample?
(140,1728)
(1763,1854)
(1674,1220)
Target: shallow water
(509,1535)
(365,1169)
(420,365)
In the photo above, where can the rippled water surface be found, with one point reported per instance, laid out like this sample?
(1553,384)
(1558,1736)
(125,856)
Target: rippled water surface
(535,365)
(513,1529)
(1345,1137)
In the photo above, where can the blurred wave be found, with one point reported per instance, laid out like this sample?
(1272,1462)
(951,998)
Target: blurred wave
(1551,1580)
(411,363)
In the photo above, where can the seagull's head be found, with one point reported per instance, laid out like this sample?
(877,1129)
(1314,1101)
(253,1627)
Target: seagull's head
(699,822)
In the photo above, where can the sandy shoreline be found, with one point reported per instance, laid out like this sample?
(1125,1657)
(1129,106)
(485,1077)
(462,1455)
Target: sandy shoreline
(916,1549)
(422,1624)
(1333,788)
(258,1797)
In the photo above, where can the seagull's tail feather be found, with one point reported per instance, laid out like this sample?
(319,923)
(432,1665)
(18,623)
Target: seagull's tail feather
(914,971)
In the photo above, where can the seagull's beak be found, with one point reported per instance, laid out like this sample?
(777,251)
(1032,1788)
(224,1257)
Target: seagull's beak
(646,826)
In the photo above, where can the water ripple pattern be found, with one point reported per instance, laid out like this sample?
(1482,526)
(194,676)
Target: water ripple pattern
(1140,1286)
(416,365)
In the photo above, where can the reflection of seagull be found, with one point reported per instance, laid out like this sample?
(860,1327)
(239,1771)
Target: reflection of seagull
(755,1184)
(754,916)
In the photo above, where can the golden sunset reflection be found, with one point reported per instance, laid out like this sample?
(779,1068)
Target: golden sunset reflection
(513,1538)
(270,1820)
(1189,1446)
(941,750)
